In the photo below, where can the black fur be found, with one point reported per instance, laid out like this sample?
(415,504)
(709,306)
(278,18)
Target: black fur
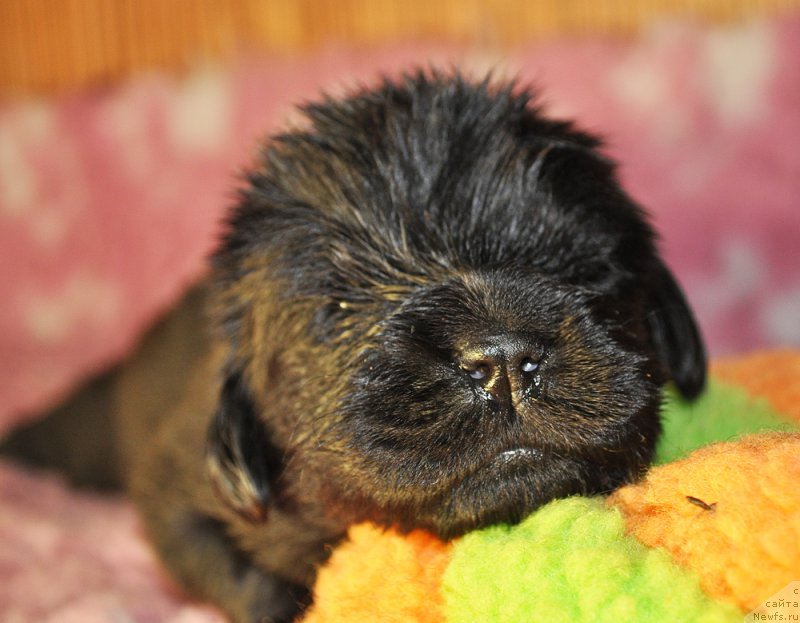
(438,310)
(240,457)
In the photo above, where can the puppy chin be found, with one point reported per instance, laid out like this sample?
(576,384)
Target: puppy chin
(505,490)
(516,482)
(501,484)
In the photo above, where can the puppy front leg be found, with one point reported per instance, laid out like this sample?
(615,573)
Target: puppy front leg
(192,529)
(205,560)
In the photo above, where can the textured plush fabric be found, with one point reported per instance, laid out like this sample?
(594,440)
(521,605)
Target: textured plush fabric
(570,561)
(382,576)
(722,412)
(703,538)
(771,375)
(745,544)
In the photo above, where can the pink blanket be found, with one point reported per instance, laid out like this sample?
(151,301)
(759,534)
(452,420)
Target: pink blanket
(109,201)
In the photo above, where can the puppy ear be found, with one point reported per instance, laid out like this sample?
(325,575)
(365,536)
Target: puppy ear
(238,453)
(675,334)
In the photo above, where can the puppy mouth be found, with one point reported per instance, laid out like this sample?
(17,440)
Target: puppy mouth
(499,463)
(504,487)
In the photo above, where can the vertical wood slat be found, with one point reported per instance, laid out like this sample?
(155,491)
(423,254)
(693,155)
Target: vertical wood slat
(48,45)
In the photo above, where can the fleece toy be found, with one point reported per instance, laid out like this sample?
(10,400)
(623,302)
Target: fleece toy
(711,533)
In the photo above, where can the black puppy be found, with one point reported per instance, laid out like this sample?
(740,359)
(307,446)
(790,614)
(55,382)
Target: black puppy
(436,309)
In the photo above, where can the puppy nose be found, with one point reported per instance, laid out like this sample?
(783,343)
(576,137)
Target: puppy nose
(501,368)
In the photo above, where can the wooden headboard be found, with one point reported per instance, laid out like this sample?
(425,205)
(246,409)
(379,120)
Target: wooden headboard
(51,45)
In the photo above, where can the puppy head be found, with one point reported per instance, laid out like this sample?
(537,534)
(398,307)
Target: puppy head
(445,310)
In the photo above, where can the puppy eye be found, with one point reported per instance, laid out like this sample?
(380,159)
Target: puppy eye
(529,365)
